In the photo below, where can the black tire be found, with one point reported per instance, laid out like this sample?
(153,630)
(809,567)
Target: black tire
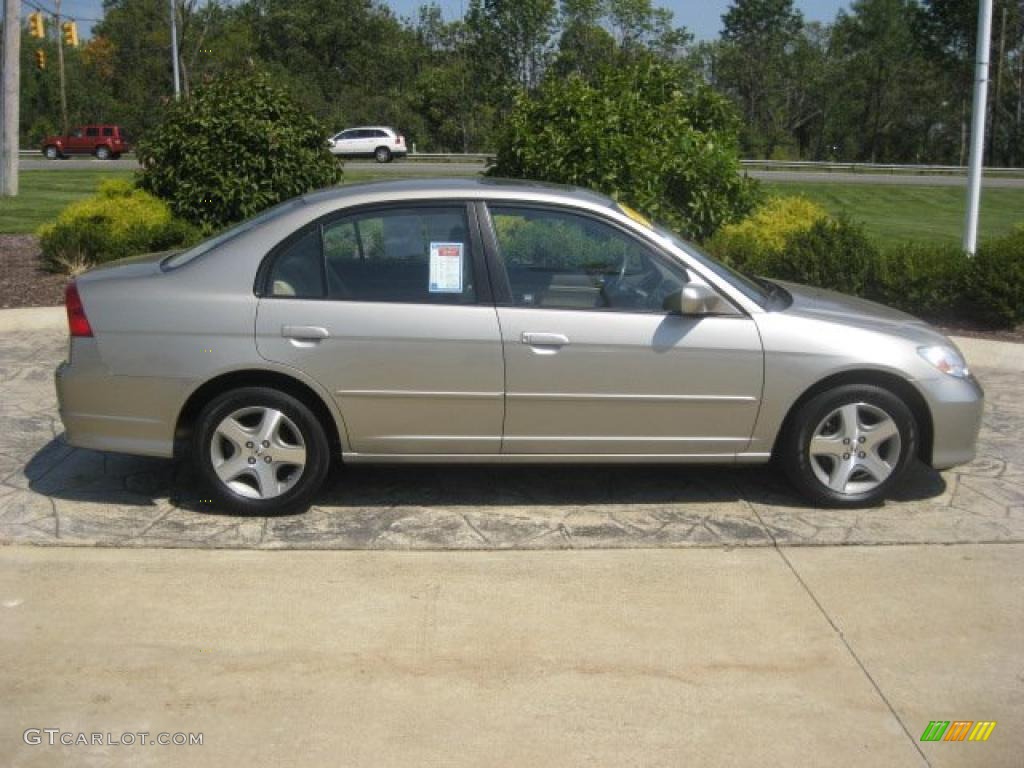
(116,156)
(51,152)
(795,458)
(309,481)
(382,155)
(102,153)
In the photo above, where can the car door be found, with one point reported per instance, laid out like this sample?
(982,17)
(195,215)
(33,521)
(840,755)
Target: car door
(346,142)
(594,365)
(75,142)
(386,308)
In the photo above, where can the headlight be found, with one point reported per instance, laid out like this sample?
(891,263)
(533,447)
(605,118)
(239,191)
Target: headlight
(946,359)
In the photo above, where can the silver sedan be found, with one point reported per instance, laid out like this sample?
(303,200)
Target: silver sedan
(482,321)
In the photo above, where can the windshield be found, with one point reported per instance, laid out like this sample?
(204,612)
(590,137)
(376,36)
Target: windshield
(184,257)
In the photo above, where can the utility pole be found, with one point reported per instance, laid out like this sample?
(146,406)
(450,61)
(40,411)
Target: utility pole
(978,126)
(11,70)
(174,49)
(60,68)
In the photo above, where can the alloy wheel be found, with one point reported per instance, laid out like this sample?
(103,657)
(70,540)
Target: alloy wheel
(855,448)
(258,452)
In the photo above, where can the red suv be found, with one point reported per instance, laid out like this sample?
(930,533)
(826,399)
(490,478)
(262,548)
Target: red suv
(107,142)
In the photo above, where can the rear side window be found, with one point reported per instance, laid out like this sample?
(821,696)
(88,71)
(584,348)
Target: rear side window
(413,255)
(108,131)
(92,132)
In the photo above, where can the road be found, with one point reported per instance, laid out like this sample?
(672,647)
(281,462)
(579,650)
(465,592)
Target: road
(405,168)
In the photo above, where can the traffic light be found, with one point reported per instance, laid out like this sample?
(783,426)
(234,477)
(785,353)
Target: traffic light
(70,32)
(36,25)
(40,58)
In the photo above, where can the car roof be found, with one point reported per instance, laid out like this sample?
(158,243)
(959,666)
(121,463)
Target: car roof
(474,187)
(368,128)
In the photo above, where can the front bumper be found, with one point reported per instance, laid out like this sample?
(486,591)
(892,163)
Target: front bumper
(957,406)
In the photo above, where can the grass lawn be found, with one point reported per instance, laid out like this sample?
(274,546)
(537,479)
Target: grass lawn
(926,214)
(42,195)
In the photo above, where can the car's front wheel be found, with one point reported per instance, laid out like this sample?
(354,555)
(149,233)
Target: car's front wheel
(260,451)
(848,446)
(51,152)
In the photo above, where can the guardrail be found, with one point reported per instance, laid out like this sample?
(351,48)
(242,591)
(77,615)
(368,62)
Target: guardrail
(837,167)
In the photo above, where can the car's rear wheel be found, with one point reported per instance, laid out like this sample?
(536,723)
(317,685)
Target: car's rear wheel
(51,152)
(260,451)
(102,153)
(382,155)
(848,446)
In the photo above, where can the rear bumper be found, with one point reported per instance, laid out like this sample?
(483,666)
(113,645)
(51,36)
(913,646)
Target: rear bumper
(957,406)
(124,414)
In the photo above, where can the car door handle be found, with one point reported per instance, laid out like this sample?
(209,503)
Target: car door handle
(304,332)
(545,339)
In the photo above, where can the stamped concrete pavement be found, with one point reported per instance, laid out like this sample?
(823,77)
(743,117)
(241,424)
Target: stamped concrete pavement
(51,493)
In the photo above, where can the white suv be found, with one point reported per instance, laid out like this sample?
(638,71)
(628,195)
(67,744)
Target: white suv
(379,142)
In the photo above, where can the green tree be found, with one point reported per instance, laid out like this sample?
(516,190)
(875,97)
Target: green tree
(237,146)
(645,132)
(758,39)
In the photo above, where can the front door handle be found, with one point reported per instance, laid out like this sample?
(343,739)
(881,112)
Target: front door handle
(304,332)
(545,339)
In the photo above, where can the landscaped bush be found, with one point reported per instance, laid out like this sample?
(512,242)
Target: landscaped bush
(119,221)
(646,133)
(792,239)
(993,286)
(236,146)
(921,278)
(750,243)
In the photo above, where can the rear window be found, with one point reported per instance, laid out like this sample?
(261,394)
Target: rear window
(184,257)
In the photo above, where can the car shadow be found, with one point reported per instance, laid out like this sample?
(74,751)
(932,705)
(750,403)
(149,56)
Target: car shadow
(72,474)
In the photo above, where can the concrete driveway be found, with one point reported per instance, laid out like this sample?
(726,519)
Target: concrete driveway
(51,493)
(697,628)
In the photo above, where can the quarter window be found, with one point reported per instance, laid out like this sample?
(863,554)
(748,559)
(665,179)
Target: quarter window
(562,260)
(297,271)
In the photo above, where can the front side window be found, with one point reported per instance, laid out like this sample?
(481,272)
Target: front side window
(415,254)
(562,260)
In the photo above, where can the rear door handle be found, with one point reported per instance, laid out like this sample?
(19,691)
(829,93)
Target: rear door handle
(304,332)
(545,339)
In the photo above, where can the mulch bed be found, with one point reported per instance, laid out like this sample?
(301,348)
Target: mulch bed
(23,283)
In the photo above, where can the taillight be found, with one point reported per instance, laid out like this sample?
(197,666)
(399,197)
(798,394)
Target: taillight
(400,139)
(78,323)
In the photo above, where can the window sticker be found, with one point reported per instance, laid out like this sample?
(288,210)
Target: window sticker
(446,267)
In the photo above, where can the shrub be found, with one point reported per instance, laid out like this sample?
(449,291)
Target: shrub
(921,278)
(748,244)
(834,254)
(118,221)
(993,282)
(238,145)
(645,132)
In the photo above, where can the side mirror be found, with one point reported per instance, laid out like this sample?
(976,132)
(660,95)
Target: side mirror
(693,299)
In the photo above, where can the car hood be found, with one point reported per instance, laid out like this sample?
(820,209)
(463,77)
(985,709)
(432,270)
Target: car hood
(832,306)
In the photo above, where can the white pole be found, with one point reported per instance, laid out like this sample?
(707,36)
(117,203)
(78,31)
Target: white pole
(174,49)
(978,126)
(11,64)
